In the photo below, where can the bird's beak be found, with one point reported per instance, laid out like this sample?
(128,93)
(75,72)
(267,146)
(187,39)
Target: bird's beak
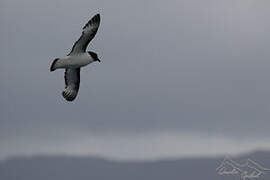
(98,60)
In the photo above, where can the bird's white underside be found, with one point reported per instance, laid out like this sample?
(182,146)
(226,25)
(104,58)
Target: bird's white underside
(74,61)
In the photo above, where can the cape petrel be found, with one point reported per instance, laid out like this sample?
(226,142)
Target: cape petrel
(77,58)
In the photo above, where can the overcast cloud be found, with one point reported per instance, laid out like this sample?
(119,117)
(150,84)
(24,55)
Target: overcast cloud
(172,72)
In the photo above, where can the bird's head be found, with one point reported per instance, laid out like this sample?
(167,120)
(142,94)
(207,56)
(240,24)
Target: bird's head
(94,56)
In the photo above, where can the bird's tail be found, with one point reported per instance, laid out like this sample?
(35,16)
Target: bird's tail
(53,68)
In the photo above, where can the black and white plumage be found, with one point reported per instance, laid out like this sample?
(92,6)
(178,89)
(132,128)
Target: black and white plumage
(72,82)
(77,58)
(89,32)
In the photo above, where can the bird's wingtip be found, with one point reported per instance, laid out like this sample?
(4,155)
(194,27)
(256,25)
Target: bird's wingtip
(97,17)
(69,95)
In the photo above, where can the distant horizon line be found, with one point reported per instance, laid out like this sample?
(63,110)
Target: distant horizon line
(107,158)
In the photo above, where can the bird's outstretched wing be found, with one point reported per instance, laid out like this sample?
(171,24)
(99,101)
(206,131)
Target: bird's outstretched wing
(72,81)
(89,32)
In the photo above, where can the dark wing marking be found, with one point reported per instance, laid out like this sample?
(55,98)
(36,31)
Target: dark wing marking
(89,32)
(72,81)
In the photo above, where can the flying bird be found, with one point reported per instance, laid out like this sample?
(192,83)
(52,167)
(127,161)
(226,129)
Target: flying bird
(77,58)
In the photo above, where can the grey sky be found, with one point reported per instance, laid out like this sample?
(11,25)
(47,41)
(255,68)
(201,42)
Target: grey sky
(188,66)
